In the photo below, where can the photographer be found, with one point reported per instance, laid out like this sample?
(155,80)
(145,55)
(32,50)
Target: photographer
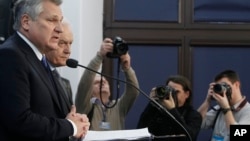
(91,101)
(178,103)
(232,107)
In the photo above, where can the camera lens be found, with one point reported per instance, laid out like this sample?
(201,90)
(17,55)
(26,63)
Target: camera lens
(218,88)
(160,92)
(122,48)
(163,92)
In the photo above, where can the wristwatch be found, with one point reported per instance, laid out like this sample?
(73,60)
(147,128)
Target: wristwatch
(225,110)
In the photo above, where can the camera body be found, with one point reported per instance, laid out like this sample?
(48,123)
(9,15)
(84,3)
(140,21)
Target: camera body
(163,92)
(220,88)
(120,47)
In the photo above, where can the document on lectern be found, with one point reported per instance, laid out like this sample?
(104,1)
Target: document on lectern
(131,134)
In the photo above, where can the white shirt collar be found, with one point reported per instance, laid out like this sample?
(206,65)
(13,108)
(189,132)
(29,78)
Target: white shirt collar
(238,103)
(33,47)
(52,68)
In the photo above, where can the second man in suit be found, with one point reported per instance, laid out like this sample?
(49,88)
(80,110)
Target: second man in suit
(59,56)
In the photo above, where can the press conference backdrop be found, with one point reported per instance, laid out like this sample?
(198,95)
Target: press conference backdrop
(170,37)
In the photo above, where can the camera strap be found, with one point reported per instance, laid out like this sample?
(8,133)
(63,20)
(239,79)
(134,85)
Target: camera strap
(216,116)
(242,104)
(118,76)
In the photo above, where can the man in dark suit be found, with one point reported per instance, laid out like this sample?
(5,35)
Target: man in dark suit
(58,58)
(67,86)
(30,103)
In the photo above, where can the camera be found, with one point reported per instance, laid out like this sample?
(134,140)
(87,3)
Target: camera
(220,88)
(163,92)
(120,47)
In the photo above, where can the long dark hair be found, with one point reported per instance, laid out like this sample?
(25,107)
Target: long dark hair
(185,83)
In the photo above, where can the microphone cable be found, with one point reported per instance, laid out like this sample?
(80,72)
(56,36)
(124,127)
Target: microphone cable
(117,88)
(72,63)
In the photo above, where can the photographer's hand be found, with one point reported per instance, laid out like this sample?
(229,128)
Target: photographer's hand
(210,92)
(206,104)
(125,61)
(106,46)
(226,109)
(222,100)
(169,103)
(153,94)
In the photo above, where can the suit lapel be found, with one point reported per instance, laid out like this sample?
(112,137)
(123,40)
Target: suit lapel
(44,76)
(65,94)
(62,94)
(37,66)
(68,90)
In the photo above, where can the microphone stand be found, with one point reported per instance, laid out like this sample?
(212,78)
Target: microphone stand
(152,100)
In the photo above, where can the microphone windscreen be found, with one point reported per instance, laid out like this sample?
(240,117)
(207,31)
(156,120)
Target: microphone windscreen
(72,63)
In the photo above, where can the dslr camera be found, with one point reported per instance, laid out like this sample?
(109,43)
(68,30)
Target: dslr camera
(220,88)
(120,47)
(163,92)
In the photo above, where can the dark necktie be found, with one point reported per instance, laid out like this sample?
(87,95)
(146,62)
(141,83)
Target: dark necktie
(48,70)
(45,63)
(56,84)
(58,77)
(61,88)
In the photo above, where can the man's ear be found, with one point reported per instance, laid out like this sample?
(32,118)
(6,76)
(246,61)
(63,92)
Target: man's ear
(25,22)
(237,84)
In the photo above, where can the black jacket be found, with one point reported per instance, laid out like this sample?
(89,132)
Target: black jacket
(159,123)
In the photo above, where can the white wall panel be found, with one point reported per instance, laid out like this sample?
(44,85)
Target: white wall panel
(85,17)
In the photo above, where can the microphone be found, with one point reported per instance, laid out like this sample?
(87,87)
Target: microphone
(72,63)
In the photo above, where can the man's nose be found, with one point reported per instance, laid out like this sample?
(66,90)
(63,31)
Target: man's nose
(59,27)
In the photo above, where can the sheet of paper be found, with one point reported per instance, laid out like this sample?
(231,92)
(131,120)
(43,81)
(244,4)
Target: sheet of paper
(131,134)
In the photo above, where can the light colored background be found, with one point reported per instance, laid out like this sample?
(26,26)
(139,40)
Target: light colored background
(86,18)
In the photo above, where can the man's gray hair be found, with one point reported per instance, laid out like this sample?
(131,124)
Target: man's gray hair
(31,7)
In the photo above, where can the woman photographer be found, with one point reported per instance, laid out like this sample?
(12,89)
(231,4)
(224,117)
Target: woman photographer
(178,104)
